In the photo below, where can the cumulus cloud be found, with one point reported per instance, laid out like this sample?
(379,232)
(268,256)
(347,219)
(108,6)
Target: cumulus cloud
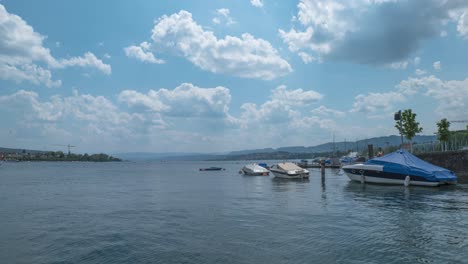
(452,95)
(306,58)
(88,60)
(294,97)
(223,16)
(246,57)
(28,72)
(24,58)
(83,119)
(142,52)
(323,110)
(283,106)
(186,100)
(399,65)
(376,102)
(369,32)
(461,16)
(419,72)
(256,3)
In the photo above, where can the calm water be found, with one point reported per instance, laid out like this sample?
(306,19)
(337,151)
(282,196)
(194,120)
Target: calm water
(171,213)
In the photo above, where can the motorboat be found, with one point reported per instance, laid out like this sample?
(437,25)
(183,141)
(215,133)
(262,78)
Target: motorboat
(212,169)
(254,170)
(289,170)
(400,167)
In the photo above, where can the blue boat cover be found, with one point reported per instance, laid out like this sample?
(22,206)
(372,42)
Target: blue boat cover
(403,162)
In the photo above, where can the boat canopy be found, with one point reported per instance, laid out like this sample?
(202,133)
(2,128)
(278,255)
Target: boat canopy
(288,166)
(403,162)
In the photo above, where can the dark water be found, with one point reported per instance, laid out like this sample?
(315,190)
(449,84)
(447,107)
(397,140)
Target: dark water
(172,213)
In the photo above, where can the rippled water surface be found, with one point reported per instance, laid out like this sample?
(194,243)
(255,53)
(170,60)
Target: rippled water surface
(155,212)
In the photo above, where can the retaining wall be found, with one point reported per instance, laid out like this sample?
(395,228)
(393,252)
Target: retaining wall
(456,161)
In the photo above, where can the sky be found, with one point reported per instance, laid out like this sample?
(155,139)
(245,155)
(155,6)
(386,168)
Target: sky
(217,76)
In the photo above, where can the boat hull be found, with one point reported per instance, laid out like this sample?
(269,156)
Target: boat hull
(251,173)
(283,175)
(361,174)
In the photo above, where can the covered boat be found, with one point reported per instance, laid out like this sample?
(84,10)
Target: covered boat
(255,170)
(289,170)
(211,169)
(400,167)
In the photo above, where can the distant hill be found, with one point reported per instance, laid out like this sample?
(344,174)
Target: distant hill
(15,150)
(341,146)
(357,145)
(142,156)
(260,153)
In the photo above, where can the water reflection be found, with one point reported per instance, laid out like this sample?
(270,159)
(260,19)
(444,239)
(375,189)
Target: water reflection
(285,185)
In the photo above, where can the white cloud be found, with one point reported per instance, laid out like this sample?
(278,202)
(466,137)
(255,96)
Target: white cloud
(419,72)
(323,110)
(400,65)
(306,58)
(245,57)
(416,61)
(283,106)
(29,73)
(437,66)
(186,100)
(296,97)
(376,102)
(142,53)
(223,16)
(452,96)
(360,31)
(257,3)
(24,58)
(88,60)
(462,25)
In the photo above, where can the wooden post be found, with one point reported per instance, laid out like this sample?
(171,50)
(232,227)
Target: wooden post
(322,167)
(370,148)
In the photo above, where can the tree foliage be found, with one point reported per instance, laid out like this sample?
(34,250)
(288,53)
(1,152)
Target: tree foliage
(443,133)
(408,126)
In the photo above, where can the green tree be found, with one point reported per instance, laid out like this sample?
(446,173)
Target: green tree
(408,126)
(443,133)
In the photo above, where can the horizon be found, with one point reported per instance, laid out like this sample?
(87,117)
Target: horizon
(226,152)
(205,77)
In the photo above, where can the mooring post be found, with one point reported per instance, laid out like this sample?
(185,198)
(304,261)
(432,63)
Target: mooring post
(322,167)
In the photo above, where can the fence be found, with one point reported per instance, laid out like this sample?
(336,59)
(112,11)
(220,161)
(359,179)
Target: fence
(455,143)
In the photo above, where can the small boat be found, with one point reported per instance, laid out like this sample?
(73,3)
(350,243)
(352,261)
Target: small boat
(254,170)
(400,167)
(212,169)
(289,170)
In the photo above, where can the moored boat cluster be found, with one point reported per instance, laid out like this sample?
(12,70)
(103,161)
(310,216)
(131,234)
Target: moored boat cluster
(399,167)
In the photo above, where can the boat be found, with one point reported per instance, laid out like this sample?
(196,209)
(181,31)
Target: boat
(400,167)
(255,170)
(289,170)
(212,169)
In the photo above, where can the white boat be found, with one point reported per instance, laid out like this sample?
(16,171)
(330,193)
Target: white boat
(289,170)
(255,170)
(400,167)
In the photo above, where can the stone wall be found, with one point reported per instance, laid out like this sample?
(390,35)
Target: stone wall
(456,161)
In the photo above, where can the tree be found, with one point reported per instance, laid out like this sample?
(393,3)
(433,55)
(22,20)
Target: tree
(443,133)
(408,126)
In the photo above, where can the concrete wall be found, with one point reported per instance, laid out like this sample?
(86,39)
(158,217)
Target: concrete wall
(456,161)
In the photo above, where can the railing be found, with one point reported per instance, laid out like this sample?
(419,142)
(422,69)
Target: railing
(457,143)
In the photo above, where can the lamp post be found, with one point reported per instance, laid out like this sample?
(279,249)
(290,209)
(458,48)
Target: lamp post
(397,117)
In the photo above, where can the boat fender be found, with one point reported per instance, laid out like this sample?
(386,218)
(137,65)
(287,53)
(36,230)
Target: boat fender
(407,181)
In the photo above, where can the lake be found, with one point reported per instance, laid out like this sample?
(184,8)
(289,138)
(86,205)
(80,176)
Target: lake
(169,212)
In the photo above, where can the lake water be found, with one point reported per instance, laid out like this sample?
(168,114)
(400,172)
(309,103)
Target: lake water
(154,212)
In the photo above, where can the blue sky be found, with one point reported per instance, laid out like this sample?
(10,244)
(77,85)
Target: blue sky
(211,76)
